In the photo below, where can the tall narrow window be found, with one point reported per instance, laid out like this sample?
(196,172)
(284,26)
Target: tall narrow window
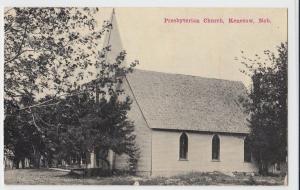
(183,146)
(215,147)
(247,150)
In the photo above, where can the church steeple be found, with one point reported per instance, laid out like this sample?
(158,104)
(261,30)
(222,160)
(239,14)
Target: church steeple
(113,39)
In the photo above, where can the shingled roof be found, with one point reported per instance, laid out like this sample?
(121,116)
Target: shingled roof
(184,102)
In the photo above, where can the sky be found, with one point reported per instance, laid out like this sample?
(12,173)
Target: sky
(199,49)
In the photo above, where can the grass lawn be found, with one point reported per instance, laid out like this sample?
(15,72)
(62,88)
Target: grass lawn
(52,177)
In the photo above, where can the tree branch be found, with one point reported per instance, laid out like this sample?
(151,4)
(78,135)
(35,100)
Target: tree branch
(19,52)
(33,119)
(42,103)
(46,123)
(8,11)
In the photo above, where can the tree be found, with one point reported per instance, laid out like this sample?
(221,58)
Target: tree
(50,53)
(267,106)
(47,42)
(90,125)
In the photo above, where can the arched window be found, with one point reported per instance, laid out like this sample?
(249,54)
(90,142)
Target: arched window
(216,147)
(247,150)
(183,146)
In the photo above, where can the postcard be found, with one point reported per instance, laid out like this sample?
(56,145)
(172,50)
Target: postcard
(145,96)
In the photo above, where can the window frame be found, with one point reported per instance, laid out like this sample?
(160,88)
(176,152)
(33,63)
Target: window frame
(214,138)
(185,149)
(246,142)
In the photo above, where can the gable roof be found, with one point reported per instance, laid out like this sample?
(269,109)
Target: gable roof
(183,102)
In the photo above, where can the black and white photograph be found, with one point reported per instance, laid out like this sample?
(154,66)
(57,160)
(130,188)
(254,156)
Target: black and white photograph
(146,96)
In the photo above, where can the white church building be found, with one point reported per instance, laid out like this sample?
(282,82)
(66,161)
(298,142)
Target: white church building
(184,123)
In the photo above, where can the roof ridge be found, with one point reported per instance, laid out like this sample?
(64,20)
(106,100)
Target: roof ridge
(188,75)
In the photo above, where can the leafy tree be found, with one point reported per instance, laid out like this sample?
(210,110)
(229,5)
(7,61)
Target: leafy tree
(267,106)
(48,43)
(89,125)
(42,51)
(50,54)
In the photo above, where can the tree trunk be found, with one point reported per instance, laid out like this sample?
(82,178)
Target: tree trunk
(16,162)
(23,163)
(107,163)
(263,167)
(36,158)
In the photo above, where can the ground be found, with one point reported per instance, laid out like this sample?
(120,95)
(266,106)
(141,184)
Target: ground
(52,177)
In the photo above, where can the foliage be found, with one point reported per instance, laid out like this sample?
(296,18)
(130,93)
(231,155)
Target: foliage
(267,106)
(54,77)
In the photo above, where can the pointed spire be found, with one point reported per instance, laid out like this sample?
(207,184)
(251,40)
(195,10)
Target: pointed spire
(111,22)
(113,39)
